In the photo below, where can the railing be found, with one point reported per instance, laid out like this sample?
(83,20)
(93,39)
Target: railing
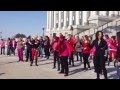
(102,27)
(94,28)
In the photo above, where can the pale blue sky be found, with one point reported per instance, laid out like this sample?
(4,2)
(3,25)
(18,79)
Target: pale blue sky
(26,22)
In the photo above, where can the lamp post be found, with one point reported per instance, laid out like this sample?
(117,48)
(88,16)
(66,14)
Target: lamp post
(0,35)
(71,28)
(43,31)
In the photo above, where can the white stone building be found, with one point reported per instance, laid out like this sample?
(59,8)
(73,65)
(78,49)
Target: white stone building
(82,22)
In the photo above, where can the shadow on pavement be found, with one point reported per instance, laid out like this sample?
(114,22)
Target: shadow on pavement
(76,71)
(9,62)
(75,65)
(2,73)
(111,69)
(113,76)
(46,63)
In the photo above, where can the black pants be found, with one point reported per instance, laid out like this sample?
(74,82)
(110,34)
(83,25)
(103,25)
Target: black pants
(56,58)
(79,54)
(13,50)
(99,65)
(2,50)
(85,58)
(71,59)
(9,50)
(28,54)
(47,52)
(64,64)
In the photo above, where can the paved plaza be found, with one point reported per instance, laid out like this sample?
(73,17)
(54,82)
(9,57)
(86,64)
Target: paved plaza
(11,69)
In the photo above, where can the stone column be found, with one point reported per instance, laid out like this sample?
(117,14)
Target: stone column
(84,17)
(65,19)
(47,20)
(116,13)
(54,19)
(111,13)
(70,18)
(59,22)
(77,17)
(50,20)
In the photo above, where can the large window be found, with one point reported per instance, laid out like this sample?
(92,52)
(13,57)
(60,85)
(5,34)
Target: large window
(80,20)
(56,25)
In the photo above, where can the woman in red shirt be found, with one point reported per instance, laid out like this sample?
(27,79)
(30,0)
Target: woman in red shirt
(64,53)
(86,51)
(72,49)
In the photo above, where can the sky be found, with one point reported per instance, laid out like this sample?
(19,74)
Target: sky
(25,22)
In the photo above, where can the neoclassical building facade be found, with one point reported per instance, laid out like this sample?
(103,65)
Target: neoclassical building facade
(72,22)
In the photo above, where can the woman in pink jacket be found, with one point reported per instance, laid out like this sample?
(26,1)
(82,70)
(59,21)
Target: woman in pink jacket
(64,53)
(2,47)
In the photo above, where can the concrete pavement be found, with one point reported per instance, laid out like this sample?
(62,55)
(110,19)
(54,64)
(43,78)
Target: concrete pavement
(11,69)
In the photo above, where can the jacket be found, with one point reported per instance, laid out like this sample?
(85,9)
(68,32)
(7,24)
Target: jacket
(63,48)
(86,47)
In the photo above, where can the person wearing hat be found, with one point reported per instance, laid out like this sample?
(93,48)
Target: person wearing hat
(64,53)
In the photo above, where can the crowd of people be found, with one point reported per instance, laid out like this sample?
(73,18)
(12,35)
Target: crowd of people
(64,49)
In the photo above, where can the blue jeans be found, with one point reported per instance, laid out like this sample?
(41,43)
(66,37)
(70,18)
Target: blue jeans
(41,51)
(118,71)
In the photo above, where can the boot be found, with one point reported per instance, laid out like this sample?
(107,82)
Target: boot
(31,63)
(36,63)
(105,74)
(98,76)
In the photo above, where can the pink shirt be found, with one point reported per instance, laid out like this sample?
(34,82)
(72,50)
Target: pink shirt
(2,44)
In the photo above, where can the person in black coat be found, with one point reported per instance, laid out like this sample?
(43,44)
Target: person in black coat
(28,50)
(99,57)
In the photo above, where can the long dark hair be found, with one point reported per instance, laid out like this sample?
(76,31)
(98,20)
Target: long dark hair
(97,33)
(118,38)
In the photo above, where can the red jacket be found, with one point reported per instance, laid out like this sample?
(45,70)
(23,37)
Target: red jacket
(63,48)
(86,47)
(71,42)
(54,46)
